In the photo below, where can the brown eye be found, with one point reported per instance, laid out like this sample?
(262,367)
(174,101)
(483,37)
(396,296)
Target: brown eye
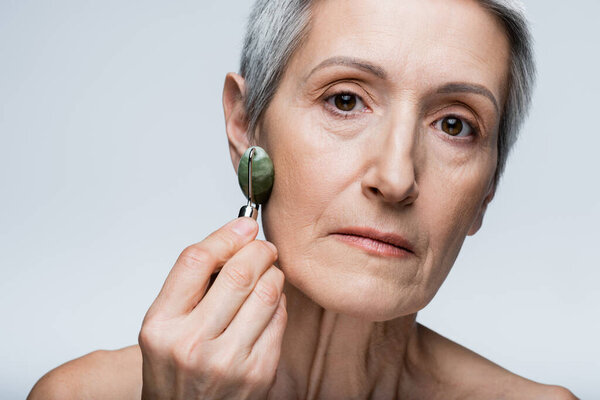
(345,101)
(345,104)
(452,126)
(455,126)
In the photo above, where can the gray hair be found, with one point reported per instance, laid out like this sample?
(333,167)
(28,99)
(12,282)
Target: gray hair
(276,28)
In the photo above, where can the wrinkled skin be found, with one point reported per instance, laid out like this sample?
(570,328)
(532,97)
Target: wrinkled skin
(384,156)
(360,135)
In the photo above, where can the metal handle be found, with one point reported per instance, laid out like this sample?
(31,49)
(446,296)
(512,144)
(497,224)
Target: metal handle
(250,209)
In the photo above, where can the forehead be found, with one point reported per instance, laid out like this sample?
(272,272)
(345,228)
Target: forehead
(419,43)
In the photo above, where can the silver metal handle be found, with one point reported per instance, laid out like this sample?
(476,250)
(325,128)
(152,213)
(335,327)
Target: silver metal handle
(250,209)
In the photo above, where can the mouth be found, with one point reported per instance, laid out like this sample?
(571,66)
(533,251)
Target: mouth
(375,242)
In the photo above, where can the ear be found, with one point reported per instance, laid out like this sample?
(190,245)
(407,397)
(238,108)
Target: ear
(236,123)
(479,219)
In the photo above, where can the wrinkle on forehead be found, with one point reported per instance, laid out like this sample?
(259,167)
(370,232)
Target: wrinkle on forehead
(420,42)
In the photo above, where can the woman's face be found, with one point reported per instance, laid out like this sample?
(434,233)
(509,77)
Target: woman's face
(370,127)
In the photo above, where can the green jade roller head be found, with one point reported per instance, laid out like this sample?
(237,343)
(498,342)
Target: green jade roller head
(255,163)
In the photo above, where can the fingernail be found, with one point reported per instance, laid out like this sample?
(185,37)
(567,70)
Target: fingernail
(243,226)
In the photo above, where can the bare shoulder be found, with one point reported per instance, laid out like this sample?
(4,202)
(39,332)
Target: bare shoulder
(478,377)
(102,374)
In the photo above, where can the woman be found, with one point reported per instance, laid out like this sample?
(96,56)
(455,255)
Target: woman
(389,124)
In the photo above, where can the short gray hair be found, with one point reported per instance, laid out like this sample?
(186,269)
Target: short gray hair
(277,27)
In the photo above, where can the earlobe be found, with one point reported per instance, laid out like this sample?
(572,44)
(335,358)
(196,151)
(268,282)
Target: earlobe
(479,219)
(236,124)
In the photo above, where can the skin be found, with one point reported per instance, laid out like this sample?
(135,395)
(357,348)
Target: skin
(381,165)
(388,164)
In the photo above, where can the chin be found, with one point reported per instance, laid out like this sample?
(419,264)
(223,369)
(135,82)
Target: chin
(364,297)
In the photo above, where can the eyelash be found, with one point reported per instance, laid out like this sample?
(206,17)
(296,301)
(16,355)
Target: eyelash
(470,122)
(475,131)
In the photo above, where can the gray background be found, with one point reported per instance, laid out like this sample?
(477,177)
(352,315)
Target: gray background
(113,158)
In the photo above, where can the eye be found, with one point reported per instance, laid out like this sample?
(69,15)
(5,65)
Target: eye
(345,102)
(455,126)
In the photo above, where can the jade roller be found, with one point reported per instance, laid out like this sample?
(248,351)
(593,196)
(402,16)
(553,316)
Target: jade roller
(255,176)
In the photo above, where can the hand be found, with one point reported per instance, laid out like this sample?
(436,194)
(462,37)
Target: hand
(223,343)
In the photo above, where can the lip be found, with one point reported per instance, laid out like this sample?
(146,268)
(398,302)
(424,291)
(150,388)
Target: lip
(376,242)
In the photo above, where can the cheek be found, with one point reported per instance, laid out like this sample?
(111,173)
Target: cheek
(452,184)
(315,170)
(453,193)
(311,170)
(312,164)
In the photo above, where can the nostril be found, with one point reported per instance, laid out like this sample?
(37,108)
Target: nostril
(405,197)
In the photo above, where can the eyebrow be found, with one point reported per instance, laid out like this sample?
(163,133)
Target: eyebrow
(350,62)
(464,87)
(452,87)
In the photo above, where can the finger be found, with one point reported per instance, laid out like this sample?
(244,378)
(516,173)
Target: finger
(267,347)
(231,288)
(254,315)
(186,283)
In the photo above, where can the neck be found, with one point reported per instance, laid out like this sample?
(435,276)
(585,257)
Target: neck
(328,355)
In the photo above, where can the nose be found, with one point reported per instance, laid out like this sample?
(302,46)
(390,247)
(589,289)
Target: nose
(391,174)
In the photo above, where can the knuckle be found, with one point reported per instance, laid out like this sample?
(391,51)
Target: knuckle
(228,239)
(280,314)
(267,292)
(182,356)
(222,367)
(237,277)
(275,276)
(195,257)
(145,339)
(256,378)
(264,249)
(197,357)
(151,338)
(187,355)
